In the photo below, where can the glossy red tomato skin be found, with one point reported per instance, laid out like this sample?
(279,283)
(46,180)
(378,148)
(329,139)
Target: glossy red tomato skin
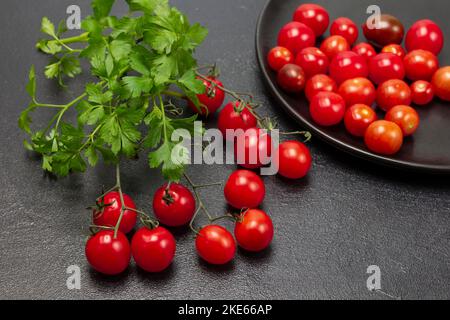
(314,16)
(366,50)
(327,108)
(422,92)
(211,100)
(254,231)
(278,57)
(291,78)
(107,255)
(441,83)
(386,66)
(384,137)
(253,148)
(346,28)
(393,93)
(174,206)
(348,65)
(319,83)
(215,245)
(405,117)
(358,91)
(395,49)
(293,160)
(109,216)
(426,35)
(234,116)
(358,118)
(331,46)
(420,65)
(312,61)
(296,36)
(244,189)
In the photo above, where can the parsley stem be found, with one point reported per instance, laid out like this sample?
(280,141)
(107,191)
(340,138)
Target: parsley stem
(174,94)
(67,107)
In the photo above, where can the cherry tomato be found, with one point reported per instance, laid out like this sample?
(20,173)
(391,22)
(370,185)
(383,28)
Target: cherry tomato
(235,116)
(389,31)
(395,49)
(346,28)
(422,92)
(291,78)
(174,206)
(405,117)
(426,35)
(211,100)
(420,65)
(110,213)
(358,91)
(108,255)
(244,189)
(278,57)
(327,108)
(386,66)
(312,61)
(384,137)
(253,148)
(348,65)
(441,83)
(254,230)
(366,50)
(331,46)
(215,245)
(358,118)
(319,83)
(296,36)
(293,160)
(314,16)
(393,93)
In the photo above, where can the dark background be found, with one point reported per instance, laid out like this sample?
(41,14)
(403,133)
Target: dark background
(346,215)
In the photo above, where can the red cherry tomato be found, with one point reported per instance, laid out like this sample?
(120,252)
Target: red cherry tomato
(420,65)
(327,108)
(108,255)
(254,230)
(348,65)
(395,49)
(215,245)
(253,148)
(314,16)
(110,213)
(358,91)
(384,137)
(358,118)
(312,61)
(319,83)
(346,28)
(366,50)
(293,160)
(422,92)
(386,66)
(426,35)
(405,117)
(174,206)
(235,116)
(211,100)
(296,36)
(278,57)
(441,83)
(393,93)
(331,46)
(244,189)
(291,78)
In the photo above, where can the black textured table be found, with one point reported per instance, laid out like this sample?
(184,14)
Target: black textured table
(346,216)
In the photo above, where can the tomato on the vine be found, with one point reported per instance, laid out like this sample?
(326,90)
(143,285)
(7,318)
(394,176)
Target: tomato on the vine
(426,35)
(358,118)
(420,65)
(327,108)
(253,148)
(254,230)
(346,28)
(215,245)
(348,65)
(384,137)
(395,49)
(331,46)
(366,50)
(312,61)
(386,66)
(314,16)
(441,83)
(278,57)
(405,117)
(293,160)
(296,36)
(244,189)
(319,83)
(291,78)
(422,92)
(393,93)
(358,91)
(211,100)
(234,116)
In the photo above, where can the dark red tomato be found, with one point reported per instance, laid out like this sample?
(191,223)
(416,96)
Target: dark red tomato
(405,117)
(211,100)
(346,28)
(441,83)
(291,78)
(278,57)
(234,116)
(384,137)
(312,61)
(253,148)
(319,83)
(420,65)
(293,160)
(215,245)
(109,215)
(108,255)
(296,36)
(314,16)
(254,230)
(366,50)
(153,249)
(331,46)
(174,206)
(426,35)
(389,31)
(393,93)
(327,108)
(358,118)
(348,65)
(386,66)
(395,49)
(358,91)
(244,189)
(422,92)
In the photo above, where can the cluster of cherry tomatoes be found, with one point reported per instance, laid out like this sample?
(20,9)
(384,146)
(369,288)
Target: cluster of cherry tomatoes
(343,81)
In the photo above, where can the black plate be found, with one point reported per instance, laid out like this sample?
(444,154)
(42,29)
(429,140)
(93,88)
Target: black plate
(429,148)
